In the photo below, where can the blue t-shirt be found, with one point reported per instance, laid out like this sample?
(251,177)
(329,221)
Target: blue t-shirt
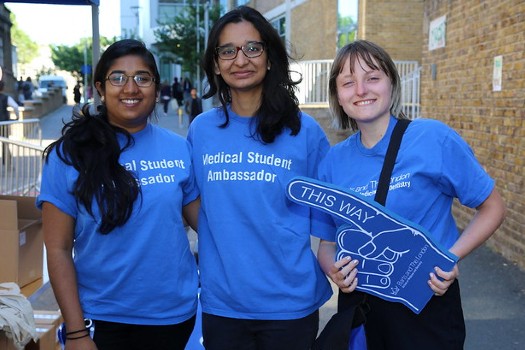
(255,256)
(434,165)
(144,271)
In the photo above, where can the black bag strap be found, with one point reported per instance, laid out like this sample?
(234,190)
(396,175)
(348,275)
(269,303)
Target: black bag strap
(353,307)
(346,300)
(390,160)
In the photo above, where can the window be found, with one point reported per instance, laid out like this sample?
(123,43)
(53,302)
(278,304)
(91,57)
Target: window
(346,22)
(168,9)
(279,24)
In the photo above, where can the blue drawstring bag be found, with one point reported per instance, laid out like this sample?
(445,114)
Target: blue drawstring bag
(357,338)
(346,329)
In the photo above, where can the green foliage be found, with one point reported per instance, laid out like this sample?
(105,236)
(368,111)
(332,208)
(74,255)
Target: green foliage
(347,31)
(178,36)
(27,50)
(71,58)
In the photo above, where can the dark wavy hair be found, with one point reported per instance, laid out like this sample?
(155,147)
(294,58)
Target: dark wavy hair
(89,143)
(279,108)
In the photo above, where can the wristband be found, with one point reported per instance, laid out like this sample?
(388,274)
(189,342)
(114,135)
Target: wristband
(80,336)
(79,331)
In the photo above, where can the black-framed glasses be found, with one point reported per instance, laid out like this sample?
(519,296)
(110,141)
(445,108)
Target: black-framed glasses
(251,50)
(121,79)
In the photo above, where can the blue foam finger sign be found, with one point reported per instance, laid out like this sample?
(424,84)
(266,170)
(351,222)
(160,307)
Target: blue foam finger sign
(395,255)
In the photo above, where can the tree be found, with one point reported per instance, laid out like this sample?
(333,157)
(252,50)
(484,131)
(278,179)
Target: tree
(71,58)
(346,30)
(178,36)
(26,49)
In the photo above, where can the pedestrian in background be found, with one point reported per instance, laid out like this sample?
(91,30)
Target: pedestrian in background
(365,94)
(5,115)
(76,93)
(165,96)
(20,91)
(176,90)
(261,285)
(194,105)
(186,88)
(27,89)
(117,250)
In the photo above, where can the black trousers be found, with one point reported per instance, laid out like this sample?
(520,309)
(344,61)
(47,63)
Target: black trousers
(223,333)
(120,336)
(439,326)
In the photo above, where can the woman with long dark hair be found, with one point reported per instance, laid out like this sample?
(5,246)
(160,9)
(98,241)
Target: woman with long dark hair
(114,191)
(261,284)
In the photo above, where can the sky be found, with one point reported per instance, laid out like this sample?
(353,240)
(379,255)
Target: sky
(348,8)
(65,24)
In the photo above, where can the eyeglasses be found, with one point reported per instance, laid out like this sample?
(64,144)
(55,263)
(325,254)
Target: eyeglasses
(251,50)
(121,79)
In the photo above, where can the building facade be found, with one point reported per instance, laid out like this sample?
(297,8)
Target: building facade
(472,59)
(7,52)
(473,79)
(140,18)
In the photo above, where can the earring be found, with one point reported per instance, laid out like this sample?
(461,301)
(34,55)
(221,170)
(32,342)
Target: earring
(102,99)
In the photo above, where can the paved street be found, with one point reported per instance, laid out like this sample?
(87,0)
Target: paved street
(493,289)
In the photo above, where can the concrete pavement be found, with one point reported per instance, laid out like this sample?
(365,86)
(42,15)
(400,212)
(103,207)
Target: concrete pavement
(493,289)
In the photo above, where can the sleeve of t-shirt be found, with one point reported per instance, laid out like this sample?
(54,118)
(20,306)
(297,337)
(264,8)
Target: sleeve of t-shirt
(12,103)
(56,185)
(318,145)
(323,225)
(189,187)
(463,176)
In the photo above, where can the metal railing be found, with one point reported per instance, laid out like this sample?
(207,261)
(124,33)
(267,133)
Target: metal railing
(27,130)
(315,74)
(410,93)
(313,88)
(21,141)
(20,157)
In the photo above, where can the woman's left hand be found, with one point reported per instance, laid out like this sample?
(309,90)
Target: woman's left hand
(441,280)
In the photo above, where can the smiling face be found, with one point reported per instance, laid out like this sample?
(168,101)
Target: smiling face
(242,73)
(128,106)
(366,94)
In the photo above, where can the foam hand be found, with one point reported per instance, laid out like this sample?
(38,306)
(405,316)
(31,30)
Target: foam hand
(395,255)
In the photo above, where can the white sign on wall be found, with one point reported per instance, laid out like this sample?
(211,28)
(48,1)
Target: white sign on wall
(497,73)
(436,33)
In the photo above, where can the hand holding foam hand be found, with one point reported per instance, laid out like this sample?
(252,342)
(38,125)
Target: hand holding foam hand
(395,255)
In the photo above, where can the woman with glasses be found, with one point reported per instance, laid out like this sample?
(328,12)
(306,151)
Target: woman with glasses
(115,189)
(261,286)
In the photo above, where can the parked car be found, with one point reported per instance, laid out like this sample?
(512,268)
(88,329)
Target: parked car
(47,81)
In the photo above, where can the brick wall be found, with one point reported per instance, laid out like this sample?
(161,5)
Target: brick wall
(396,25)
(315,38)
(264,5)
(313,27)
(461,95)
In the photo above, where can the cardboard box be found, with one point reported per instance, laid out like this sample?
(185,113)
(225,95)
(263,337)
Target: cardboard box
(46,324)
(31,288)
(21,240)
(47,339)
(5,342)
(48,317)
